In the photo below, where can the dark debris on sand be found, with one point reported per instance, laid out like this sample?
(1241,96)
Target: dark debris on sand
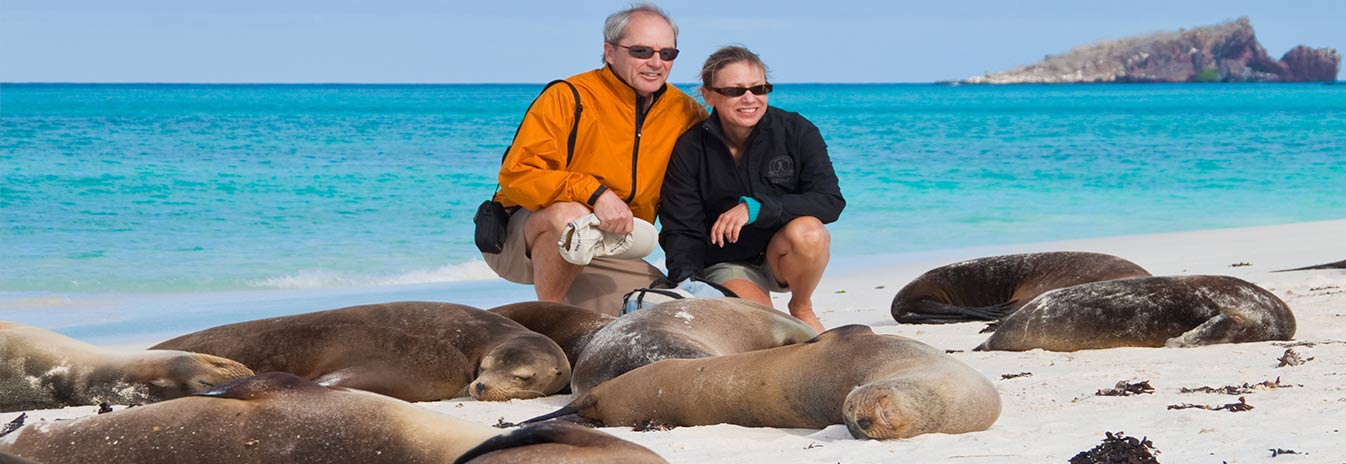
(1240,406)
(1241,264)
(1240,389)
(652,426)
(14,424)
(1015,376)
(1123,388)
(990,327)
(1119,448)
(104,408)
(1291,358)
(501,424)
(1277,452)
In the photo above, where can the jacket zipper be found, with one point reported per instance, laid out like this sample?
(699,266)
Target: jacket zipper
(635,148)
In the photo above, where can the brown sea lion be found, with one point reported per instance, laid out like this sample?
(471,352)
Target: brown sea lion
(1148,311)
(43,369)
(571,327)
(880,386)
(987,289)
(277,417)
(686,328)
(415,351)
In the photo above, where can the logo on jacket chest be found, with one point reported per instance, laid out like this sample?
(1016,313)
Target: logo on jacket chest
(780,169)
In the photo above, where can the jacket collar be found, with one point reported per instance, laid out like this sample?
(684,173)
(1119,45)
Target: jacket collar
(713,126)
(620,88)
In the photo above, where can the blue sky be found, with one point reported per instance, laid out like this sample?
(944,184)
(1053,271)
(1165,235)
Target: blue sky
(537,40)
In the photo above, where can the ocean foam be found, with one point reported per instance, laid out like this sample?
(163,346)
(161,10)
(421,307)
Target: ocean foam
(323,278)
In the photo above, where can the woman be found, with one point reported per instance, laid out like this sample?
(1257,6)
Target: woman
(748,190)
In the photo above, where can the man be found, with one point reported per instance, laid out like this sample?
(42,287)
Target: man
(629,122)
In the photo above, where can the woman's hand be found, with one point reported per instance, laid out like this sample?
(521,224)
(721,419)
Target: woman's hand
(726,228)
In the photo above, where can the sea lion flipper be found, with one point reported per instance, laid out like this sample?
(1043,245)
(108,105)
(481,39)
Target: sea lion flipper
(1337,265)
(931,312)
(1214,330)
(574,408)
(578,443)
(259,386)
(849,330)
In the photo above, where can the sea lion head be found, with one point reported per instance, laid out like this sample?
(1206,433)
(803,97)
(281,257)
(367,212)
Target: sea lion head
(523,367)
(885,410)
(173,374)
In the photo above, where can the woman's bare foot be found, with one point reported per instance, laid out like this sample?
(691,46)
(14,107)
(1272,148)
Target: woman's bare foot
(805,314)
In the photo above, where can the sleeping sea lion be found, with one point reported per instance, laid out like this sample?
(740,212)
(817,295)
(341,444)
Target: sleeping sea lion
(571,327)
(686,328)
(987,289)
(1148,311)
(42,369)
(415,351)
(278,417)
(880,386)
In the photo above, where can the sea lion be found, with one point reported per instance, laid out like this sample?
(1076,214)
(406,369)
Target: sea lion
(880,386)
(1147,311)
(686,328)
(987,289)
(1337,265)
(415,351)
(571,327)
(278,417)
(42,369)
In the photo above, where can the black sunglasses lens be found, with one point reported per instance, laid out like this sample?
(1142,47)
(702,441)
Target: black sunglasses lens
(640,52)
(668,54)
(761,89)
(732,91)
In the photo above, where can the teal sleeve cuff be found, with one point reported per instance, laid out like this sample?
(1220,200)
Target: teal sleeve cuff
(754,207)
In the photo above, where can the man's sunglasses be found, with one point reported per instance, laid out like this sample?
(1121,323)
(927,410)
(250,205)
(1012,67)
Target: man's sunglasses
(739,91)
(643,52)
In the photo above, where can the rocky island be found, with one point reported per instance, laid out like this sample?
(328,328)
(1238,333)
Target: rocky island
(1227,52)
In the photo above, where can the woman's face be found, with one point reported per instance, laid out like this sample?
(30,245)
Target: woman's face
(743,111)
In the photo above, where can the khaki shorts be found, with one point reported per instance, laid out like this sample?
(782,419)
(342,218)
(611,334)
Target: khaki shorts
(599,286)
(757,273)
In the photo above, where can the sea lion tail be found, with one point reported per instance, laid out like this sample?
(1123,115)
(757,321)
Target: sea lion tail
(573,408)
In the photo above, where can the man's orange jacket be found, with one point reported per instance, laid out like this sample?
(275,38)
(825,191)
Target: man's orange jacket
(614,149)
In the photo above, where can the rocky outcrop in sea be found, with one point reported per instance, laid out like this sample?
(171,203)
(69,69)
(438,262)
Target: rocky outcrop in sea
(1226,52)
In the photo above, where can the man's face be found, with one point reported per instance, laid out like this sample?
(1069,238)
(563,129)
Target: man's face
(645,75)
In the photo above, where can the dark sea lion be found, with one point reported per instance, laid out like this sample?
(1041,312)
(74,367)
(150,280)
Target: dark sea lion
(571,327)
(686,328)
(1149,311)
(987,289)
(415,351)
(558,442)
(277,417)
(1336,265)
(42,369)
(880,386)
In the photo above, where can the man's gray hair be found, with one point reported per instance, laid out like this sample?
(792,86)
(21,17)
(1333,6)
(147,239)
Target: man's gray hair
(614,28)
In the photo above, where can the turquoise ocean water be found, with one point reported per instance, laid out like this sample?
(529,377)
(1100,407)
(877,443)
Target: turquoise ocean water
(123,205)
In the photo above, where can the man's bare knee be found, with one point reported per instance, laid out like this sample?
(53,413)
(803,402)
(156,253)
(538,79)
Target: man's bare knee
(553,219)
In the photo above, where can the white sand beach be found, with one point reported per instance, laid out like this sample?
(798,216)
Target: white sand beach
(1050,410)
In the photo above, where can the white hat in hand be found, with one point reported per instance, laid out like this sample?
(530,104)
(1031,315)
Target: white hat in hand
(582,241)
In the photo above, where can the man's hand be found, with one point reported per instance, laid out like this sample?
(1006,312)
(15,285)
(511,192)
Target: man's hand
(726,228)
(613,213)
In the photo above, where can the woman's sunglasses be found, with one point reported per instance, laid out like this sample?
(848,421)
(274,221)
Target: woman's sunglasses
(642,52)
(739,91)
